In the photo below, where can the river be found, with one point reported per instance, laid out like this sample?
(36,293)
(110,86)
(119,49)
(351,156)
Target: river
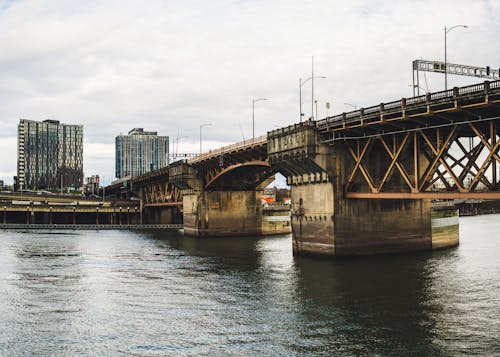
(157,293)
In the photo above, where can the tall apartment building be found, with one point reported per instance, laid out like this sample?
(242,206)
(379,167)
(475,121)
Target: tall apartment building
(140,152)
(50,155)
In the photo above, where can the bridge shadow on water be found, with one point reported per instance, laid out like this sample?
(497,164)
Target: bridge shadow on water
(371,304)
(382,304)
(424,303)
(228,253)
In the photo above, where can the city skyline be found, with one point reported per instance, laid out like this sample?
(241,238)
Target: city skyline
(171,68)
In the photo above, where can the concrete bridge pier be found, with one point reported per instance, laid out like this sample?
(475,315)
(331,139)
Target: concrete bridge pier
(222,213)
(324,222)
(222,192)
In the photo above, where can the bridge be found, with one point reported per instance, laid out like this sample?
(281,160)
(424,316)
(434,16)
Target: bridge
(361,182)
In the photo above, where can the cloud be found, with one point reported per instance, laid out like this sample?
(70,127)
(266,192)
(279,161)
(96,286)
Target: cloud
(8,163)
(171,66)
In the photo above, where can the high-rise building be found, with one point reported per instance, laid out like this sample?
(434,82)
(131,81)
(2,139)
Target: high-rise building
(140,152)
(50,155)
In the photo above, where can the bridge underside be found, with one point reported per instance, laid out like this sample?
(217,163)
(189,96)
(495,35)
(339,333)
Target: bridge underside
(441,149)
(362,182)
(225,197)
(239,177)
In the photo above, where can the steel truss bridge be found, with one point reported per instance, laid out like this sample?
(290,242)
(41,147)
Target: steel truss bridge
(441,145)
(438,145)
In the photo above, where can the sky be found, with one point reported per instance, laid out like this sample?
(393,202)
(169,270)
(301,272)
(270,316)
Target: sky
(171,66)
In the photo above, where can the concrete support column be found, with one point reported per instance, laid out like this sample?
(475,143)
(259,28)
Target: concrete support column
(222,213)
(326,224)
(312,219)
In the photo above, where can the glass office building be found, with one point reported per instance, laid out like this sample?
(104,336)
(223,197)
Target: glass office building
(50,155)
(140,152)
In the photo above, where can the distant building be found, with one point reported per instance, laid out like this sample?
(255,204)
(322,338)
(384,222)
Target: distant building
(1,185)
(91,185)
(50,155)
(140,152)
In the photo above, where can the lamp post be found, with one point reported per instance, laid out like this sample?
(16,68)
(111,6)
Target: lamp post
(301,83)
(446,30)
(253,114)
(201,127)
(175,146)
(351,105)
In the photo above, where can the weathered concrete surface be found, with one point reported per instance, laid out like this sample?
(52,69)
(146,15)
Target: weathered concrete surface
(366,227)
(312,219)
(337,227)
(223,213)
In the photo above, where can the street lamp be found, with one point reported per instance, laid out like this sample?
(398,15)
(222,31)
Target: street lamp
(446,30)
(301,83)
(175,146)
(351,105)
(253,115)
(201,127)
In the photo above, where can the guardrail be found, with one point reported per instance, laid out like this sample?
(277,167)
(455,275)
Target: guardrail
(260,140)
(407,103)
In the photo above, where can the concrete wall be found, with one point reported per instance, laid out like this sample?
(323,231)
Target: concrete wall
(190,206)
(327,224)
(365,227)
(222,213)
(313,219)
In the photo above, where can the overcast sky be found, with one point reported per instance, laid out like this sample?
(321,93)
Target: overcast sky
(170,66)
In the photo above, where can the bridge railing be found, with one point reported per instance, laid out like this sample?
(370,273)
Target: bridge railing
(259,140)
(495,84)
(398,105)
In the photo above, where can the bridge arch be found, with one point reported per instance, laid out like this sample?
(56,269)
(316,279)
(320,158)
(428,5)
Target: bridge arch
(244,175)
